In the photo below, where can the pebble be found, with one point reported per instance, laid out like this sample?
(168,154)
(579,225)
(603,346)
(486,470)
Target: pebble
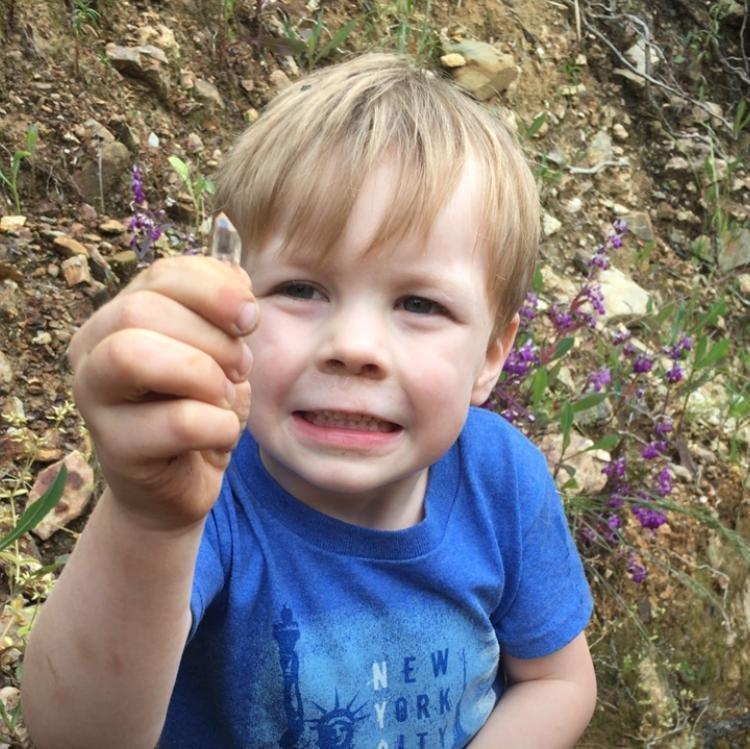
(550,225)
(620,132)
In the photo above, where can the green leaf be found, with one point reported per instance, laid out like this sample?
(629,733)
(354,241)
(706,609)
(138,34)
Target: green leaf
(566,422)
(338,38)
(563,347)
(38,510)
(715,311)
(608,442)
(588,401)
(538,385)
(182,169)
(533,128)
(32,135)
(717,351)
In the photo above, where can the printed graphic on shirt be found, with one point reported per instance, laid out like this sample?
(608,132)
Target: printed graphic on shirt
(428,687)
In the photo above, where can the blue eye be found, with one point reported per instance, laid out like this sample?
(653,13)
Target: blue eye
(418,305)
(299,290)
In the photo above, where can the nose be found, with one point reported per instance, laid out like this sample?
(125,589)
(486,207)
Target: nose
(355,343)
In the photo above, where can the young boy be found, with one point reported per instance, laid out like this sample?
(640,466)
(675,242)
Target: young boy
(385,566)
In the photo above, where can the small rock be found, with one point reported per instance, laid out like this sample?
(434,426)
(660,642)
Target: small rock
(734,250)
(486,71)
(640,224)
(124,260)
(280,80)
(601,413)
(574,205)
(550,225)
(11,223)
(637,55)
(677,164)
(112,227)
(664,211)
(208,93)
(743,282)
(251,115)
(6,372)
(453,60)
(623,297)
(42,338)
(115,162)
(9,302)
(87,213)
(77,493)
(76,270)
(194,143)
(53,270)
(145,63)
(560,287)
(620,132)
(709,111)
(70,247)
(600,149)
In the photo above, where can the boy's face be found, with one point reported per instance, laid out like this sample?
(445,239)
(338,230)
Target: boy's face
(365,365)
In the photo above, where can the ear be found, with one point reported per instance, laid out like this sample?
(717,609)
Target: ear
(497,352)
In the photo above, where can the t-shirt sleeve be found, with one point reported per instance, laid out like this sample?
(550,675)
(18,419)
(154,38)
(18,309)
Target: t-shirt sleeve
(210,566)
(551,603)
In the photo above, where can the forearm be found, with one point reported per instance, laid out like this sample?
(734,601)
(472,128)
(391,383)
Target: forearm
(101,661)
(543,714)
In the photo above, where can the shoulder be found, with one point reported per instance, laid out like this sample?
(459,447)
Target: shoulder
(489,438)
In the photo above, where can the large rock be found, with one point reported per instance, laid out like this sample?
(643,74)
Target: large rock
(115,162)
(487,71)
(77,493)
(587,464)
(623,297)
(734,250)
(145,62)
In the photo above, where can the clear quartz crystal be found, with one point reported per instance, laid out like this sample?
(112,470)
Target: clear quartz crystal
(225,243)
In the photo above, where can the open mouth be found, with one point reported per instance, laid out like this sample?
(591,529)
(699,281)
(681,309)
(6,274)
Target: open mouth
(351,421)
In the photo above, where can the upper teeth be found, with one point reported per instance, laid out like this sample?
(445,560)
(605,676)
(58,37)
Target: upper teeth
(348,420)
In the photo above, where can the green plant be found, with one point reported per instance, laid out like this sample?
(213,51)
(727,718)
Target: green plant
(410,27)
(197,187)
(83,20)
(11,178)
(308,45)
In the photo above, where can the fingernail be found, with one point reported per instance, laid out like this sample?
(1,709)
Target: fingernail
(246,319)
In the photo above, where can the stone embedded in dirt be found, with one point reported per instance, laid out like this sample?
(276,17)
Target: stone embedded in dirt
(76,270)
(77,493)
(734,249)
(623,297)
(280,80)
(677,164)
(163,38)
(144,63)
(639,224)
(208,93)
(560,287)
(112,227)
(194,143)
(487,71)
(638,56)
(600,149)
(70,247)
(251,115)
(11,223)
(587,463)
(453,60)
(620,132)
(9,301)
(6,373)
(115,162)
(124,260)
(550,225)
(743,283)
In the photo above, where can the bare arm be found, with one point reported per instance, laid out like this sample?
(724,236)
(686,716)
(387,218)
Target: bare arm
(548,704)
(103,658)
(160,377)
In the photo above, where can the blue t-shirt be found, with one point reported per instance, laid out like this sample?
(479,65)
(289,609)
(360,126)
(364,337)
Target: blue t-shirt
(312,632)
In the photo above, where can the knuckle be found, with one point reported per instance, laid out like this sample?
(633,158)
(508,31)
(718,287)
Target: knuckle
(120,351)
(133,310)
(185,422)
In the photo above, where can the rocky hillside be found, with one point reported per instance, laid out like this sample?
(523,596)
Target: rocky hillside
(113,117)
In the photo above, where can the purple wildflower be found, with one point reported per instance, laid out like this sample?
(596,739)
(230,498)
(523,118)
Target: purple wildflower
(654,449)
(616,242)
(600,378)
(662,427)
(621,226)
(528,308)
(521,360)
(139,194)
(620,336)
(594,294)
(664,482)
(682,346)
(615,468)
(675,374)
(642,364)
(636,571)
(649,518)
(561,319)
(629,350)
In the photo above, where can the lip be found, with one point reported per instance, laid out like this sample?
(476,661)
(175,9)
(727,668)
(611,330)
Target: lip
(345,437)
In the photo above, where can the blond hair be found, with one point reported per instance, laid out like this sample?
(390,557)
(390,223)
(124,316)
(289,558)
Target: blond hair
(301,166)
